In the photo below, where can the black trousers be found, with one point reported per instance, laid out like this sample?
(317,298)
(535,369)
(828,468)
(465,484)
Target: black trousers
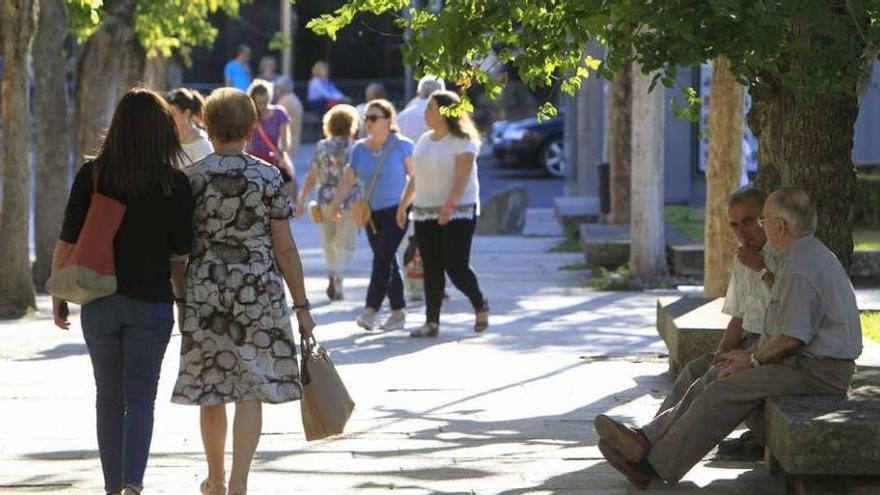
(446,250)
(385,278)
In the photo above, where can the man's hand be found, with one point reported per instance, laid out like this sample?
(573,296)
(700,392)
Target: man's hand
(750,258)
(735,361)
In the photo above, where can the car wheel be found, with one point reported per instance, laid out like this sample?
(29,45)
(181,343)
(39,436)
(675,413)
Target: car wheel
(552,158)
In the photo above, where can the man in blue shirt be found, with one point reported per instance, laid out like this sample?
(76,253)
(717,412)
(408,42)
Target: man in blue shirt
(237,72)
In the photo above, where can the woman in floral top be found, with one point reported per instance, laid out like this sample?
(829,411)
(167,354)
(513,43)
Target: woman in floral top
(331,156)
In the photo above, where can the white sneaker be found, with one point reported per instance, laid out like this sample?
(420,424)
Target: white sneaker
(367,320)
(395,321)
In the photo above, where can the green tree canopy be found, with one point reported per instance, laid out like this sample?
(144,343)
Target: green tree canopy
(162,25)
(544,39)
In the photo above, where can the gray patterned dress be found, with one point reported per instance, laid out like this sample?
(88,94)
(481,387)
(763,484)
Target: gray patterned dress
(237,341)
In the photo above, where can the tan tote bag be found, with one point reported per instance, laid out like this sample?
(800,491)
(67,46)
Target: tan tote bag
(360,209)
(326,405)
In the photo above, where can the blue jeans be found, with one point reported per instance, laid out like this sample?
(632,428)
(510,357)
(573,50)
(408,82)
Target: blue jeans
(126,339)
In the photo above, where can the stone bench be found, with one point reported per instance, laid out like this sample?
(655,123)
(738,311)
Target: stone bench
(571,211)
(865,264)
(607,246)
(691,327)
(827,444)
(687,259)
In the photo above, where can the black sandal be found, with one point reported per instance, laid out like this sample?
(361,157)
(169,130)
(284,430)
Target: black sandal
(481,325)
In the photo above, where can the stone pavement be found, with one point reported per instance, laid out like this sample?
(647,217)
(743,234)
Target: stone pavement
(507,412)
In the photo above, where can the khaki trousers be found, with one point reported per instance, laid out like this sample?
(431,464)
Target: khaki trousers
(693,370)
(714,406)
(338,240)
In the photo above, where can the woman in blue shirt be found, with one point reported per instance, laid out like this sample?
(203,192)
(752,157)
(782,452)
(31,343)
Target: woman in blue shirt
(383,142)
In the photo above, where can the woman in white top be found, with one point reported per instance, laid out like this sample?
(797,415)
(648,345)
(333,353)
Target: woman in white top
(186,108)
(445,196)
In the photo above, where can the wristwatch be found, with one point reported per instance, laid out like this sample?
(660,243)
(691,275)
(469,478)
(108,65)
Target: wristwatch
(305,305)
(754,360)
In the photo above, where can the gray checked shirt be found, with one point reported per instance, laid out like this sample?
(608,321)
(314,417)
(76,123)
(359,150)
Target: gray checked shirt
(813,301)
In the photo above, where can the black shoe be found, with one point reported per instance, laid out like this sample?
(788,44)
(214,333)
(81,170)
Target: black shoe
(746,448)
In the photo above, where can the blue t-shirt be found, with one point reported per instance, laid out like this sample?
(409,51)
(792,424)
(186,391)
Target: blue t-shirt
(238,74)
(392,180)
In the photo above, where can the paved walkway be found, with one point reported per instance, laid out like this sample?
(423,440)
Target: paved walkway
(506,412)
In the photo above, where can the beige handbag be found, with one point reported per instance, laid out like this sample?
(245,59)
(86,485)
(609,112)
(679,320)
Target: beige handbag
(361,214)
(326,405)
(315,212)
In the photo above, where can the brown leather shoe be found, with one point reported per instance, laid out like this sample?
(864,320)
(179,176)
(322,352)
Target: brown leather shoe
(639,478)
(622,438)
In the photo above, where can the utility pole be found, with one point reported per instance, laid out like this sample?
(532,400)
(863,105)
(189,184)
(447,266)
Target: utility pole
(287,32)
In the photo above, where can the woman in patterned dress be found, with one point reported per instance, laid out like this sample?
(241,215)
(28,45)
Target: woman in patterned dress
(237,344)
(338,236)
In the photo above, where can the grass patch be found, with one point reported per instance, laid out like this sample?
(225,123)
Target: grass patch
(687,219)
(866,238)
(870,325)
(620,279)
(574,267)
(571,244)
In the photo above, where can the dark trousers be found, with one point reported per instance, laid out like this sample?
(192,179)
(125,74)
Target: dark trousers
(126,339)
(385,278)
(447,249)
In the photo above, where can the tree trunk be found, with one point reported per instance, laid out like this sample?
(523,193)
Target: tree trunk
(16,286)
(808,143)
(806,139)
(134,64)
(53,133)
(723,174)
(100,74)
(647,259)
(163,73)
(620,145)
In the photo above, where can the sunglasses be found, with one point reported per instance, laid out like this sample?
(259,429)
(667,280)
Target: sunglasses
(373,118)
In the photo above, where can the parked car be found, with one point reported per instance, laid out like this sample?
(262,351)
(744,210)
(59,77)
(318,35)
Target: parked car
(528,143)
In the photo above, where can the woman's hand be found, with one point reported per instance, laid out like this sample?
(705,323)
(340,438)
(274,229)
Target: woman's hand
(60,311)
(335,211)
(445,214)
(401,216)
(306,322)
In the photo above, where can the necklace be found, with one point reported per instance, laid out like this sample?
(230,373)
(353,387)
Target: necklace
(378,151)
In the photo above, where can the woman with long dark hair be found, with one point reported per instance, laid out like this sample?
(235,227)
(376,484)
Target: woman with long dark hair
(445,197)
(127,333)
(383,158)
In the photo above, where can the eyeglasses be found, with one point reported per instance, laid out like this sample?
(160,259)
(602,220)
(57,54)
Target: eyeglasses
(373,118)
(762,221)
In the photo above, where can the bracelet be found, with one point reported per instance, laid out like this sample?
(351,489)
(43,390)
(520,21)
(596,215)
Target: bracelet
(763,272)
(306,305)
(178,300)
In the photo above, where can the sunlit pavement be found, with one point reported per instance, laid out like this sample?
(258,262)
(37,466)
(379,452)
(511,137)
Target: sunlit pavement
(509,411)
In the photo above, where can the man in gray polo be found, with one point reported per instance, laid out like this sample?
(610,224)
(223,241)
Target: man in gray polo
(748,294)
(812,338)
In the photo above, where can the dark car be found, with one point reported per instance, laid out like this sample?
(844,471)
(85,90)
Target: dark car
(528,143)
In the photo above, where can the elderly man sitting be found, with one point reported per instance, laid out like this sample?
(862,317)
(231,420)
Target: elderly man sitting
(811,341)
(748,293)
